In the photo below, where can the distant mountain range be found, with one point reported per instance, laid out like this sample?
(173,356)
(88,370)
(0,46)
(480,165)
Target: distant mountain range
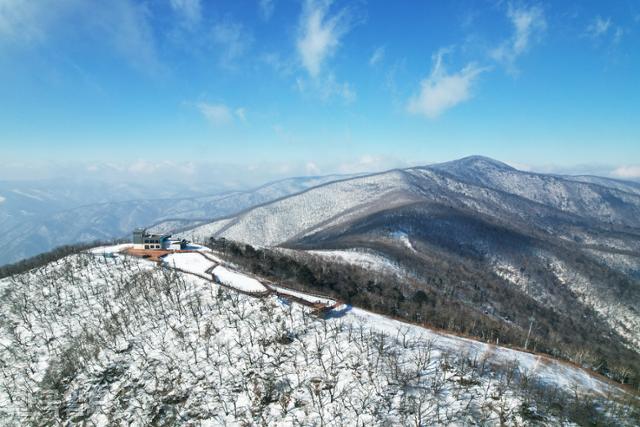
(507,243)
(38,216)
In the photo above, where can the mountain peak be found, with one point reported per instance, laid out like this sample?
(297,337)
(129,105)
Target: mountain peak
(475,161)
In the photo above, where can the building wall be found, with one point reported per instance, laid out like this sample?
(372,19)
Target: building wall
(142,240)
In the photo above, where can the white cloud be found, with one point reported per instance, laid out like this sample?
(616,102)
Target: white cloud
(266,8)
(599,27)
(377,56)
(441,91)
(220,114)
(628,172)
(191,10)
(2,199)
(319,34)
(233,38)
(529,25)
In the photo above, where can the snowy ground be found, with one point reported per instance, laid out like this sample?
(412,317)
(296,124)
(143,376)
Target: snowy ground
(192,262)
(118,340)
(110,250)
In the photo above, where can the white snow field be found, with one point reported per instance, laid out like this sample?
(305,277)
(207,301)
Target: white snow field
(121,341)
(237,280)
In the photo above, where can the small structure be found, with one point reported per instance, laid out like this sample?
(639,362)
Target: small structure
(144,240)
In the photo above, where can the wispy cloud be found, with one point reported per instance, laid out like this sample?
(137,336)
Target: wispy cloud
(601,30)
(627,172)
(529,24)
(327,87)
(377,56)
(266,8)
(233,39)
(220,114)
(130,30)
(190,10)
(319,34)
(441,91)
(124,26)
(23,21)
(599,27)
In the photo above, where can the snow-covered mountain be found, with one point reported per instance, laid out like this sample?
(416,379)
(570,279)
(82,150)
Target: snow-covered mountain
(102,338)
(38,216)
(505,243)
(548,202)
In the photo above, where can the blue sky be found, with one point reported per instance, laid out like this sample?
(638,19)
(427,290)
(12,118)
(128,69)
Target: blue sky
(280,87)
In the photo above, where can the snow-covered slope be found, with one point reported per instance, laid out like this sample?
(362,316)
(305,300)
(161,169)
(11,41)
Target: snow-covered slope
(310,210)
(106,339)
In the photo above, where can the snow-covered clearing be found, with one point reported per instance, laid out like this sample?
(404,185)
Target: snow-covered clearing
(238,280)
(365,259)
